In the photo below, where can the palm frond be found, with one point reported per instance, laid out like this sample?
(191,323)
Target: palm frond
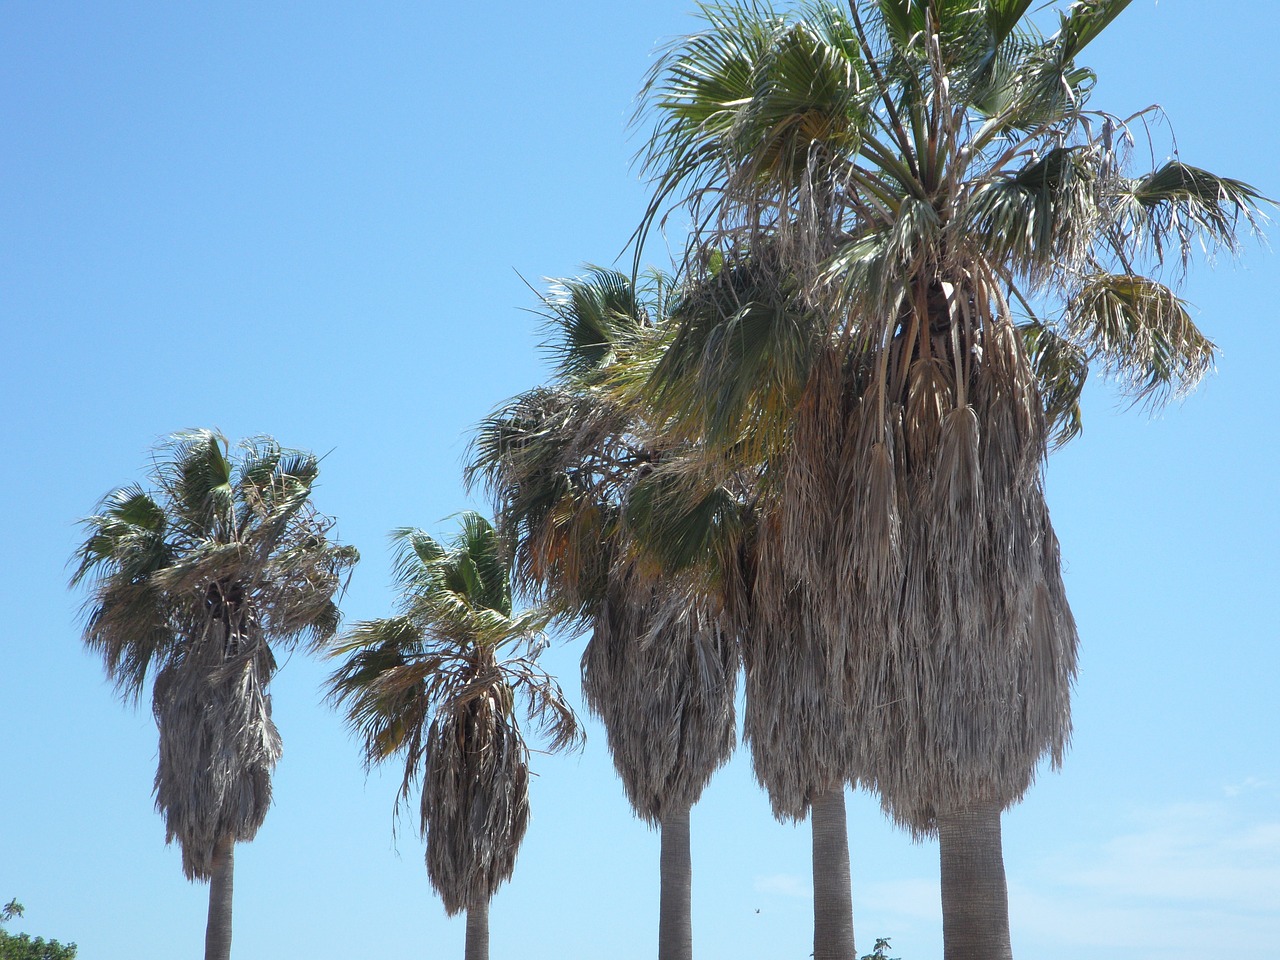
(1084,21)
(588,319)
(1143,334)
(1004,16)
(1061,368)
(1040,217)
(741,353)
(196,474)
(1186,204)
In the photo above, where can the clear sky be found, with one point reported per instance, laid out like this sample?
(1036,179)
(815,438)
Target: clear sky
(312,220)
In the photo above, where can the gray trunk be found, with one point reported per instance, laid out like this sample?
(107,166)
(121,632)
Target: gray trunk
(217,932)
(975,901)
(478,932)
(832,893)
(675,921)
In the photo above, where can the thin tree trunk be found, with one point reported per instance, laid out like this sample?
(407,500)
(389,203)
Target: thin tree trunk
(832,892)
(975,900)
(675,919)
(477,932)
(217,932)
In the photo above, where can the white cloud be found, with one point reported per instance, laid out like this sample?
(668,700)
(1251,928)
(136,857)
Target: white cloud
(1185,877)
(1244,786)
(1174,882)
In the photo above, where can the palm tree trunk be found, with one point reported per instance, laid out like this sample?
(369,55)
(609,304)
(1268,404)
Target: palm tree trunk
(975,900)
(675,919)
(217,932)
(832,893)
(477,932)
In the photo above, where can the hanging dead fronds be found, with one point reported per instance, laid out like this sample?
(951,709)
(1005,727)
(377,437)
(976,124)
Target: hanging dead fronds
(660,672)
(192,584)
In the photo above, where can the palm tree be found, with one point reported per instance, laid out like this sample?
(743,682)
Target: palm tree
(438,684)
(193,583)
(660,667)
(797,719)
(912,237)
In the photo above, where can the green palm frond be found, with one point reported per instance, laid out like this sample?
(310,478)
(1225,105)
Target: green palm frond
(259,459)
(753,108)
(739,357)
(129,531)
(701,84)
(127,621)
(684,526)
(1041,216)
(197,476)
(1027,85)
(804,97)
(1061,368)
(1004,16)
(470,574)
(273,482)
(1185,204)
(589,319)
(1084,21)
(1141,331)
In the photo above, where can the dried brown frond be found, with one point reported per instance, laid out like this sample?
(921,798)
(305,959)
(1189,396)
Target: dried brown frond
(660,671)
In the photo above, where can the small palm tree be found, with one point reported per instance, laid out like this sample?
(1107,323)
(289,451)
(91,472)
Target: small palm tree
(193,583)
(438,685)
(912,238)
(660,666)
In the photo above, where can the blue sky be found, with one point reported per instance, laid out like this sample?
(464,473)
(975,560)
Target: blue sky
(313,220)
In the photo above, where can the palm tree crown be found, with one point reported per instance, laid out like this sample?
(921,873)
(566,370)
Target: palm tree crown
(438,684)
(193,583)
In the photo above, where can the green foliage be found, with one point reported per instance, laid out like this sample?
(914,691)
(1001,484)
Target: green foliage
(881,951)
(20,946)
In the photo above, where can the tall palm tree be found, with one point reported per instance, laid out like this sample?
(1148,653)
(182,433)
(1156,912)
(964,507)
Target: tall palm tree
(438,685)
(797,719)
(192,583)
(659,668)
(912,237)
